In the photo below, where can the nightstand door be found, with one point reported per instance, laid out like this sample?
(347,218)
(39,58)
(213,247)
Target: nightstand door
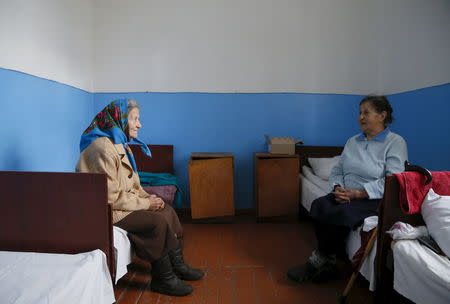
(277,187)
(211,187)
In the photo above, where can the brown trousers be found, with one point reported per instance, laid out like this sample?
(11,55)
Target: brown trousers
(152,233)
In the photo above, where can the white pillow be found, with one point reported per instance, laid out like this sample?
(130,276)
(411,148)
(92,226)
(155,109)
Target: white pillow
(322,184)
(436,214)
(322,166)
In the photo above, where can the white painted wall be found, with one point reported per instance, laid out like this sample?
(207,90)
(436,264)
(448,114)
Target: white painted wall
(233,45)
(414,45)
(48,38)
(321,46)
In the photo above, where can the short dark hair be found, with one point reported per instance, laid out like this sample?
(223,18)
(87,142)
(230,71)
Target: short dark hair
(380,103)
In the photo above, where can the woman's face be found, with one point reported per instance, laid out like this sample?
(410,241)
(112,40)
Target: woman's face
(133,123)
(370,120)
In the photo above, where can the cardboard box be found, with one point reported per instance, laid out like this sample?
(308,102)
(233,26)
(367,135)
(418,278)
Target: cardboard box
(281,145)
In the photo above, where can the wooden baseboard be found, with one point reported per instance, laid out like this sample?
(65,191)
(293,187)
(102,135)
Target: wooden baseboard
(277,219)
(185,215)
(247,211)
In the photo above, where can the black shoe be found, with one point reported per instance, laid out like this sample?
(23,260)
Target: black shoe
(165,281)
(302,273)
(182,270)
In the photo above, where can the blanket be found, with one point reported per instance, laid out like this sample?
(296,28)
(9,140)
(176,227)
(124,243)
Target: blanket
(162,179)
(413,189)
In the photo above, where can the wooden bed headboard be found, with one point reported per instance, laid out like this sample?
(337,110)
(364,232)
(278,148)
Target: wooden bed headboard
(160,162)
(317,152)
(55,213)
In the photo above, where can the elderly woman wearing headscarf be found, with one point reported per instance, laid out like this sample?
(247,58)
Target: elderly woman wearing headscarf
(153,227)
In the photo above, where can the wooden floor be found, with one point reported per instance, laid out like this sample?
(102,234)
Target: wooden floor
(244,262)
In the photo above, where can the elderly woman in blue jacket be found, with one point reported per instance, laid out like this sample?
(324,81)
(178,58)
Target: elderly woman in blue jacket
(358,186)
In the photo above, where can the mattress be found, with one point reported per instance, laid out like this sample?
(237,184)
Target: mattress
(28,277)
(314,187)
(420,274)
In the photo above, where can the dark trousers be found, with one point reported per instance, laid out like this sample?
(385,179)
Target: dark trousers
(330,238)
(152,233)
(333,221)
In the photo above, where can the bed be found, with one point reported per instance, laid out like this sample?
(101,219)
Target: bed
(406,270)
(160,162)
(55,238)
(57,241)
(312,186)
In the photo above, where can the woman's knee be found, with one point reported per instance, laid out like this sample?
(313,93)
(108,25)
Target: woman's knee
(321,205)
(153,222)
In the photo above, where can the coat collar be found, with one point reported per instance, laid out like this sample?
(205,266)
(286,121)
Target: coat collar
(124,158)
(120,149)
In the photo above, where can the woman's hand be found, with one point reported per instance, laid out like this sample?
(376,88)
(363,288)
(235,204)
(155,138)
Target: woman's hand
(340,194)
(343,195)
(156,203)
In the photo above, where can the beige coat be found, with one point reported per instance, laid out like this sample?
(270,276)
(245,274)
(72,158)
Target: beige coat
(125,193)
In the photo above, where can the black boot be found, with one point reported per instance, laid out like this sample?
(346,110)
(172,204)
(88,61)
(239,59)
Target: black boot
(326,272)
(182,270)
(165,281)
(320,267)
(302,273)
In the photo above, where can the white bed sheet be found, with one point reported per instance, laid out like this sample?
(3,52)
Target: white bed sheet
(310,191)
(420,274)
(324,185)
(123,251)
(27,277)
(367,269)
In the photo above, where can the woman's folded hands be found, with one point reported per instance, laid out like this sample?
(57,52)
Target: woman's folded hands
(156,203)
(343,195)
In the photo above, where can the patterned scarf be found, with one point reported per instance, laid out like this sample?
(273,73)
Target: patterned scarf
(112,122)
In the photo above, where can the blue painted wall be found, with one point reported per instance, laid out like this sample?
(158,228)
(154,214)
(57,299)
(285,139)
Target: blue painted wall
(423,120)
(42,121)
(208,122)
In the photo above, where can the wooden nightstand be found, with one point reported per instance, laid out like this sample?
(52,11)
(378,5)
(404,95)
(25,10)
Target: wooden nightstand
(211,185)
(276,185)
